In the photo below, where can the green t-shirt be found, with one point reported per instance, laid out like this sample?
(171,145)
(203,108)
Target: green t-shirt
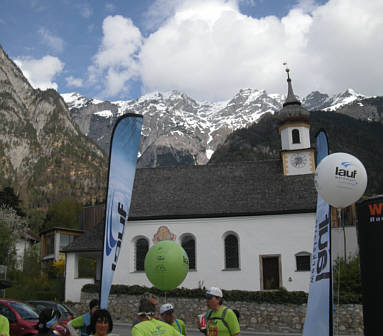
(78,322)
(180,327)
(4,325)
(215,326)
(154,327)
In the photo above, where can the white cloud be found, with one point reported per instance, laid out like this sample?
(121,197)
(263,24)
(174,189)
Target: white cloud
(116,59)
(40,72)
(209,50)
(75,82)
(52,41)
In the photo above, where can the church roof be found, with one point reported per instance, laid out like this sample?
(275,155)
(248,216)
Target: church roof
(232,189)
(292,109)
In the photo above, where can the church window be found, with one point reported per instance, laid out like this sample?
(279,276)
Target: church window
(142,247)
(188,244)
(303,260)
(296,136)
(231,251)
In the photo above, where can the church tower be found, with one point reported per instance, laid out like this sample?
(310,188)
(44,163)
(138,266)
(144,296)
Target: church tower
(294,129)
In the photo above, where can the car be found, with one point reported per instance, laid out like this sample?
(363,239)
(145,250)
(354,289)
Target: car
(66,313)
(22,317)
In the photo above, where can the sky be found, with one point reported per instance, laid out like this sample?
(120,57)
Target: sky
(208,49)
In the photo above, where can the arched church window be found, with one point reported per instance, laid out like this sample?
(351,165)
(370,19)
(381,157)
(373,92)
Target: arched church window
(142,247)
(296,136)
(303,260)
(188,244)
(231,251)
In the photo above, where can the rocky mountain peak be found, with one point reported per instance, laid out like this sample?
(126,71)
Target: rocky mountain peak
(43,154)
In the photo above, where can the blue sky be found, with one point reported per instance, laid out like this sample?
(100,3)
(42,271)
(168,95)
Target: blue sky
(208,49)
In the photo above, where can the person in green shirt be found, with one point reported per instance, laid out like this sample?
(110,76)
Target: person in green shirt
(220,320)
(149,326)
(4,326)
(83,321)
(168,316)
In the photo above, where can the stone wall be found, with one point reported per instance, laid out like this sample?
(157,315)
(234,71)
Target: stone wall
(348,319)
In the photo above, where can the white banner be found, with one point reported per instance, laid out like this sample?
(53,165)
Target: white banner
(122,168)
(318,320)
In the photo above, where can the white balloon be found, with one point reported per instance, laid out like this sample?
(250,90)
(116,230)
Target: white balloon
(340,179)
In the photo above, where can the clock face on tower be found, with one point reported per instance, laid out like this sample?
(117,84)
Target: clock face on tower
(298,160)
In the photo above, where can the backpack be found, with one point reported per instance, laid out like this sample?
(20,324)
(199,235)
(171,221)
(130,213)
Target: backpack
(222,318)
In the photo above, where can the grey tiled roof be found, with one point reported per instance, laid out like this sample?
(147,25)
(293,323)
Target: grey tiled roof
(235,189)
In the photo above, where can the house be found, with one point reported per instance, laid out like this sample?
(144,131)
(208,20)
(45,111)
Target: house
(24,242)
(53,240)
(244,225)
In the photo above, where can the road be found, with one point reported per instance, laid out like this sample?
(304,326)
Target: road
(123,329)
(120,329)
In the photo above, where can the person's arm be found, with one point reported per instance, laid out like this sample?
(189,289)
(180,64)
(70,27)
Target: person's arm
(78,322)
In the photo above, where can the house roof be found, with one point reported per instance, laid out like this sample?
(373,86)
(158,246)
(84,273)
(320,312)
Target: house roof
(56,228)
(232,189)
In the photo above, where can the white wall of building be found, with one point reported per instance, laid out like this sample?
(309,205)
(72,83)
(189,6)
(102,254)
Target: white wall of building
(337,241)
(285,235)
(287,139)
(73,284)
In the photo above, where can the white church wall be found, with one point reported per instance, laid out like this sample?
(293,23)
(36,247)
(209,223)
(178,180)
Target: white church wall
(73,284)
(283,235)
(337,242)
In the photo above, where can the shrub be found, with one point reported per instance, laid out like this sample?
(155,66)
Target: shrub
(281,296)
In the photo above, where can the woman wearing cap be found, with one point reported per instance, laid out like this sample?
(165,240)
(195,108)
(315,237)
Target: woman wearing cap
(101,323)
(220,320)
(48,324)
(168,316)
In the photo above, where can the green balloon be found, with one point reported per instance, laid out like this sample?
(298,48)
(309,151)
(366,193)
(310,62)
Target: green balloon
(166,265)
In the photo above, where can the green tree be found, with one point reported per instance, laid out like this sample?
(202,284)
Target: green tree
(347,279)
(11,226)
(63,214)
(8,197)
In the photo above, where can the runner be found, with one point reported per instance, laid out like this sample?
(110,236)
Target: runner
(83,321)
(101,323)
(48,324)
(149,326)
(168,316)
(220,320)
(4,326)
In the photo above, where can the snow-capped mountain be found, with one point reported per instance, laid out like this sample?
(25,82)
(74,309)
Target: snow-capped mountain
(321,101)
(180,130)
(176,127)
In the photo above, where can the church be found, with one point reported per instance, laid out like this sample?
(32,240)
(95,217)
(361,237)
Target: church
(244,225)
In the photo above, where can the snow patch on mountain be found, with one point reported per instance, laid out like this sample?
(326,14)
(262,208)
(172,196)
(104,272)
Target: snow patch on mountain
(345,98)
(174,120)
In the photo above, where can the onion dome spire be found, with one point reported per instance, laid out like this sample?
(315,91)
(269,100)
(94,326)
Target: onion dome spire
(291,99)
(292,109)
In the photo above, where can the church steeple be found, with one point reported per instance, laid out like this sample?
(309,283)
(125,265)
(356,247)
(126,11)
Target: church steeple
(294,129)
(292,109)
(291,99)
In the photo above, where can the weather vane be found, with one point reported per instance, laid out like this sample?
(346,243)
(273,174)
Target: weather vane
(287,69)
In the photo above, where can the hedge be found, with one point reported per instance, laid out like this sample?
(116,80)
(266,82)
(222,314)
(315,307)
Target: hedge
(281,296)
